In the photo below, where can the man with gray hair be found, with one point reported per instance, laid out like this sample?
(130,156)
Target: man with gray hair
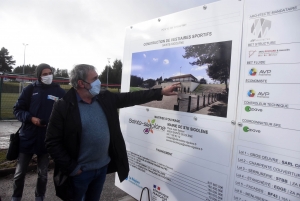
(84,136)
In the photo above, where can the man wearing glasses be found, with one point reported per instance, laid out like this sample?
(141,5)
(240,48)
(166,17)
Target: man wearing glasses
(33,109)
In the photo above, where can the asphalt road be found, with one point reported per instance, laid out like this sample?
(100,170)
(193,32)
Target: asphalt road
(6,128)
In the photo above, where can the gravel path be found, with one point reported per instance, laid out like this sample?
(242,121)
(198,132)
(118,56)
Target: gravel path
(110,191)
(167,103)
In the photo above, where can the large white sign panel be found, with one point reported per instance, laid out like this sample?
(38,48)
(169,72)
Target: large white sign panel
(266,161)
(181,147)
(233,131)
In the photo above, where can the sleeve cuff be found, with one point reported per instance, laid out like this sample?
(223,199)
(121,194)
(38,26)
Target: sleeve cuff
(160,96)
(75,170)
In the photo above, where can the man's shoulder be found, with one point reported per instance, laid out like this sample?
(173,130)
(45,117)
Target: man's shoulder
(108,95)
(61,104)
(104,93)
(69,97)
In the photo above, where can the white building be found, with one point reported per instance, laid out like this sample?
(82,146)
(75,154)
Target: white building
(188,82)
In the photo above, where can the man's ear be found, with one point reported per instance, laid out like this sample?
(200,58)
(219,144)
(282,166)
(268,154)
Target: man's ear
(80,84)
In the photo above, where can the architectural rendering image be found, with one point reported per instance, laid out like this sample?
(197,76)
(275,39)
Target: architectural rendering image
(202,70)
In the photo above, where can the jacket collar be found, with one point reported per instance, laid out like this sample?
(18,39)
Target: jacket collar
(40,84)
(70,96)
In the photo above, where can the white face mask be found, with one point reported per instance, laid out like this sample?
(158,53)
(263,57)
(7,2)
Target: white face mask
(96,86)
(47,79)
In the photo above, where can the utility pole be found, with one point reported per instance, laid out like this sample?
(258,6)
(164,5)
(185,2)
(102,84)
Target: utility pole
(24,57)
(107,73)
(180,70)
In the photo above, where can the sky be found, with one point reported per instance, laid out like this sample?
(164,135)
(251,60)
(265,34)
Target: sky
(165,63)
(64,33)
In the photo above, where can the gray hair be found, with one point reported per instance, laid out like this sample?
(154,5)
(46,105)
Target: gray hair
(79,72)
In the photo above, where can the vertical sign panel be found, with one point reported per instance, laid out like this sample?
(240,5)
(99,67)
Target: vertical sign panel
(266,161)
(181,147)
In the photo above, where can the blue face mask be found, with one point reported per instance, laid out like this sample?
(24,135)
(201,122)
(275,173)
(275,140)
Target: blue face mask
(96,86)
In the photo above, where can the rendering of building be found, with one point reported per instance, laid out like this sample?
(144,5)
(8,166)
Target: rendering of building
(188,82)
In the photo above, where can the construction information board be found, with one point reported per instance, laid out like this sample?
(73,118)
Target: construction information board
(232,132)
(266,157)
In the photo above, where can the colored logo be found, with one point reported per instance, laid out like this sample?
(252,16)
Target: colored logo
(150,125)
(147,130)
(251,93)
(252,72)
(156,187)
(246,129)
(247,108)
(260,27)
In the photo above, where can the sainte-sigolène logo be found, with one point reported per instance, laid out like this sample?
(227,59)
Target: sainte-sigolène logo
(150,125)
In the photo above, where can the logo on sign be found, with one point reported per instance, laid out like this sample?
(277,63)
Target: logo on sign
(251,93)
(263,94)
(157,193)
(150,125)
(252,72)
(247,129)
(249,109)
(134,181)
(265,72)
(260,27)
(156,187)
(251,52)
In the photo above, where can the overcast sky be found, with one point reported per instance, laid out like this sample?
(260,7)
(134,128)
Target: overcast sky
(64,33)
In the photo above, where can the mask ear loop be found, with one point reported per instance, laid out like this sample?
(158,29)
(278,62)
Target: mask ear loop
(84,85)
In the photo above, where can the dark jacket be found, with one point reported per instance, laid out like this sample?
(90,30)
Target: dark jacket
(64,132)
(36,100)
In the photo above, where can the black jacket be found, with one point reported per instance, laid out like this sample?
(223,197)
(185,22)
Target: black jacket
(64,131)
(36,100)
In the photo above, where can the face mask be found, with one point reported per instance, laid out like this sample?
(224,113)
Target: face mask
(47,79)
(95,90)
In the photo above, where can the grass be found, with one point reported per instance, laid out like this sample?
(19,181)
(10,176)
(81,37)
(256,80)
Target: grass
(16,84)
(3,162)
(2,156)
(132,89)
(210,88)
(113,90)
(65,86)
(8,101)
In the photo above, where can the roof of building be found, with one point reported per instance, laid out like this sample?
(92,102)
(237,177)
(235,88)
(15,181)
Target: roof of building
(183,76)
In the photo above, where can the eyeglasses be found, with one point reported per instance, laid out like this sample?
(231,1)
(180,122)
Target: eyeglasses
(45,74)
(86,82)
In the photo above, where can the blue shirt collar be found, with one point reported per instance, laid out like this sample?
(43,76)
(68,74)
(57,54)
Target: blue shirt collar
(79,99)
